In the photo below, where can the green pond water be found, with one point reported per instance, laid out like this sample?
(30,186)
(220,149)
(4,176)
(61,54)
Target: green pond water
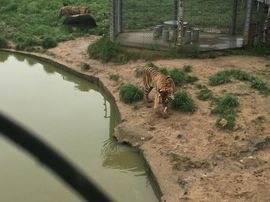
(76,119)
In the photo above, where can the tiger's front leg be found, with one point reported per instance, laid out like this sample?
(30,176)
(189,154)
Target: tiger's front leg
(156,102)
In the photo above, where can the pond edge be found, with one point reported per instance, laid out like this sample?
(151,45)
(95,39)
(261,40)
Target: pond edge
(106,93)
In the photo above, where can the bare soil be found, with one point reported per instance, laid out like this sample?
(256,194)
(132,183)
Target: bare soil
(190,157)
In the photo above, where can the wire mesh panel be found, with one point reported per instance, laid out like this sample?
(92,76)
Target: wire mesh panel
(144,23)
(220,23)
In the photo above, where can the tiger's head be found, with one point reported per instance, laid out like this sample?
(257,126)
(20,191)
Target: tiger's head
(166,92)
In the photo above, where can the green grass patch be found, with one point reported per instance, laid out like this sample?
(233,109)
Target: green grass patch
(164,71)
(179,77)
(204,93)
(114,77)
(49,42)
(3,42)
(259,85)
(104,49)
(187,68)
(226,76)
(226,121)
(225,104)
(183,102)
(130,93)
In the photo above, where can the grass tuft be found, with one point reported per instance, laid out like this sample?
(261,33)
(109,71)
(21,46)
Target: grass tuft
(226,121)
(130,93)
(164,71)
(225,104)
(204,93)
(114,77)
(49,43)
(3,42)
(104,49)
(187,68)
(183,102)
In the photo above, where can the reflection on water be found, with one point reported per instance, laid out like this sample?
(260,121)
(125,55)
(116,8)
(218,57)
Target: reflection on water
(72,116)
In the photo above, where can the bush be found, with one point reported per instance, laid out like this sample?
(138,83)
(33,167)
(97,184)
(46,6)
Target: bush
(219,78)
(183,102)
(105,50)
(49,43)
(130,93)
(226,121)
(179,77)
(204,93)
(226,104)
(3,43)
(151,64)
(191,79)
(114,77)
(164,71)
(187,68)
(259,85)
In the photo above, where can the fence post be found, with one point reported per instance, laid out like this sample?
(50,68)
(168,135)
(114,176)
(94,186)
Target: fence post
(119,16)
(234,16)
(180,22)
(112,20)
(247,21)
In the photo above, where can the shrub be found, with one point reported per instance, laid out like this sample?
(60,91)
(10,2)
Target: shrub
(183,102)
(187,68)
(191,79)
(259,85)
(3,42)
(139,72)
(84,66)
(114,77)
(204,93)
(151,64)
(49,43)
(104,49)
(130,93)
(226,104)
(164,70)
(226,121)
(179,77)
(219,78)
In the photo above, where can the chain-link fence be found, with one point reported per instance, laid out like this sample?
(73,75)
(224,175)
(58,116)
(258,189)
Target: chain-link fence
(214,24)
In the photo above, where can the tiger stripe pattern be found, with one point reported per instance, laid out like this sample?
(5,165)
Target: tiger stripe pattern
(73,10)
(163,85)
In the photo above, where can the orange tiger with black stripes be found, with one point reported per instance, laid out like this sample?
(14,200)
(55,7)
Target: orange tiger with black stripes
(164,86)
(73,10)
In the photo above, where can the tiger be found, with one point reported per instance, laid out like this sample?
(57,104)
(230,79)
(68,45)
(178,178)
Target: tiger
(72,10)
(163,84)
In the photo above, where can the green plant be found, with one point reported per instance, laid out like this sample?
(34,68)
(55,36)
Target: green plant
(3,42)
(191,79)
(104,49)
(204,93)
(259,85)
(219,78)
(139,72)
(114,77)
(226,121)
(49,43)
(187,68)
(151,64)
(183,102)
(225,104)
(179,77)
(84,66)
(130,93)
(164,71)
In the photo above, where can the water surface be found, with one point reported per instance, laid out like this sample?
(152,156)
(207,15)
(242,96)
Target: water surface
(75,118)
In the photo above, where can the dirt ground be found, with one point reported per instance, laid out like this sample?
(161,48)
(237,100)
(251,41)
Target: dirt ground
(192,159)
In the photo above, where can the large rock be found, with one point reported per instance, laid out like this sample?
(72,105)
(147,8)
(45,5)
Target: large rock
(131,135)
